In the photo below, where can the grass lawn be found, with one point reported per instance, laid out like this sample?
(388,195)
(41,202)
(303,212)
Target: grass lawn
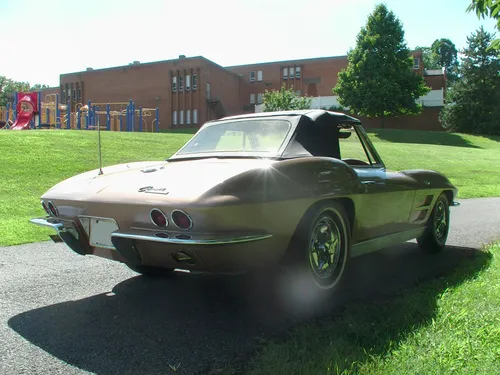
(33,161)
(447,326)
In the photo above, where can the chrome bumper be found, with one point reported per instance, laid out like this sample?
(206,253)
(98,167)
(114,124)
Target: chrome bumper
(66,230)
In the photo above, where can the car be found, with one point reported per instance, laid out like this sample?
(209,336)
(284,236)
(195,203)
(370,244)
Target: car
(303,190)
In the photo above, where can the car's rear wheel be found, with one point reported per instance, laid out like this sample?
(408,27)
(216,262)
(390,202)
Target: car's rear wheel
(436,231)
(321,245)
(150,271)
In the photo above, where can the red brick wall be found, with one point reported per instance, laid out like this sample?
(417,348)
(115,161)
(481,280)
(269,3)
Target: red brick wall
(428,120)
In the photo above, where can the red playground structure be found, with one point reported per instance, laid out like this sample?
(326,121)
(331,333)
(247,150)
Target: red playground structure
(26,110)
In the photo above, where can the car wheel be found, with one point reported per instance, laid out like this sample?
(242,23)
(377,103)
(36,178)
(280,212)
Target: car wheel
(436,231)
(150,271)
(321,246)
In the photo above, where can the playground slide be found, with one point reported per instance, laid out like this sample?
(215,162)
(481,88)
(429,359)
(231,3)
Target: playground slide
(22,121)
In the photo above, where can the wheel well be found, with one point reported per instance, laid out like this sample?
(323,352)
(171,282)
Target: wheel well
(449,196)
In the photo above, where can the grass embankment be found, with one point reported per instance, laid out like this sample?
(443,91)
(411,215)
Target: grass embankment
(33,161)
(450,325)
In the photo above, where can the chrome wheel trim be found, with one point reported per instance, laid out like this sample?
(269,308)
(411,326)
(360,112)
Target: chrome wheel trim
(440,222)
(327,253)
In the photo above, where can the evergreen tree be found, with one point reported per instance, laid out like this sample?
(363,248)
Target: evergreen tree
(473,104)
(379,80)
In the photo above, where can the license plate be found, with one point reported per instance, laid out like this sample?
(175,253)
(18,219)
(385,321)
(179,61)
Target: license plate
(100,232)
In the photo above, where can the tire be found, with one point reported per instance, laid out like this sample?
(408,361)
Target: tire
(433,240)
(321,247)
(150,271)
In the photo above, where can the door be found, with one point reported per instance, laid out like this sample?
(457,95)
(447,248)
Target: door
(385,200)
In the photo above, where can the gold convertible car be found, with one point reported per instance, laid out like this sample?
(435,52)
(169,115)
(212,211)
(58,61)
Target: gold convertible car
(301,188)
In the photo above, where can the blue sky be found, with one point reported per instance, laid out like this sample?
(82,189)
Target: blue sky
(49,37)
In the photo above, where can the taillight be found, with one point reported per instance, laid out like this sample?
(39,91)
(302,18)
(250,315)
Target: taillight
(53,209)
(45,207)
(158,218)
(181,219)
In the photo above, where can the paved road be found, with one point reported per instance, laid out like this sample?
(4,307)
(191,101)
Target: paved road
(61,313)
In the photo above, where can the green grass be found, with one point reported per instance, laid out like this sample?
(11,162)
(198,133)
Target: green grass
(447,326)
(33,161)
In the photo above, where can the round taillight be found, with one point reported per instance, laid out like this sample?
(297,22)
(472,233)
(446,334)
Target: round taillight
(53,209)
(181,220)
(45,207)
(158,218)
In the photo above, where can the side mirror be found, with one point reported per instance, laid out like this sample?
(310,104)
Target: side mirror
(344,135)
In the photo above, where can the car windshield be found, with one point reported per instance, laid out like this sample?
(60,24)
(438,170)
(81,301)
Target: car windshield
(263,137)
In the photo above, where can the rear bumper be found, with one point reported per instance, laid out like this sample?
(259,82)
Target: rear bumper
(201,252)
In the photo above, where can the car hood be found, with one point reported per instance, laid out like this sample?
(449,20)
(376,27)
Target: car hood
(150,181)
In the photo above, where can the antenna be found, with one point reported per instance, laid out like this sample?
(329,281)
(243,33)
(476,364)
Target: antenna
(99,143)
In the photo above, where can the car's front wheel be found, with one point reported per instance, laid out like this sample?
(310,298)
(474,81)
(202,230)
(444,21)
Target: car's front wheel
(150,271)
(433,240)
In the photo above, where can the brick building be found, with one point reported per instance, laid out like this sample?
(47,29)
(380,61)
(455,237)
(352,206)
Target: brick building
(191,91)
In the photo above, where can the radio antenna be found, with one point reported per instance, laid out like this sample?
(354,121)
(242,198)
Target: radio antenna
(99,143)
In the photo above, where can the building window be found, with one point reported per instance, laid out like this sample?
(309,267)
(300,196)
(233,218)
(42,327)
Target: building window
(195,116)
(63,96)
(297,72)
(174,117)
(259,98)
(79,94)
(259,75)
(74,95)
(292,72)
(181,117)
(252,76)
(188,82)
(195,82)
(416,63)
(188,116)
(181,83)
(174,84)
(209,91)
(285,73)
(252,98)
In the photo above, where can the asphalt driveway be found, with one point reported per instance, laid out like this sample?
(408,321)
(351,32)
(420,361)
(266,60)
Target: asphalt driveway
(61,313)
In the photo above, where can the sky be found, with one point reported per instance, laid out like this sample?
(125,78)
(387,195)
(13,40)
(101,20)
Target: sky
(42,39)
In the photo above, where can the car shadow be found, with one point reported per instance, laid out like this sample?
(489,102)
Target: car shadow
(423,137)
(204,321)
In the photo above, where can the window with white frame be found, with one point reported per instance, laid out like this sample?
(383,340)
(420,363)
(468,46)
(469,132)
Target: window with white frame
(285,73)
(188,116)
(416,63)
(174,84)
(252,76)
(292,72)
(181,83)
(63,96)
(252,98)
(195,81)
(297,72)
(188,82)
(259,75)
(174,117)
(259,98)
(181,117)
(195,116)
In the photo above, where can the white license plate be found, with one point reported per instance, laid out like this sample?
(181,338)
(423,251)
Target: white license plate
(100,232)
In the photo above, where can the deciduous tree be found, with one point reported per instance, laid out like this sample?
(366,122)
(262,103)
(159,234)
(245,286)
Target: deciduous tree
(379,80)
(284,99)
(473,102)
(488,8)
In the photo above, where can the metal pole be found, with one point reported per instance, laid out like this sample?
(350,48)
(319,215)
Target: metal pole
(130,124)
(121,120)
(133,116)
(108,117)
(8,113)
(89,110)
(78,119)
(68,115)
(140,119)
(58,114)
(157,120)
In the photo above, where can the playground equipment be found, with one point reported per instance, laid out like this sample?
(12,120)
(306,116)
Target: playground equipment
(52,114)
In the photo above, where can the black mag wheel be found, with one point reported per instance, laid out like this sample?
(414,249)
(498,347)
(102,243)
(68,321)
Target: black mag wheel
(433,240)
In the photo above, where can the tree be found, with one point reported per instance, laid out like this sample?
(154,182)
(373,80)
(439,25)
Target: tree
(429,57)
(284,99)
(446,55)
(379,80)
(490,8)
(8,87)
(472,103)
